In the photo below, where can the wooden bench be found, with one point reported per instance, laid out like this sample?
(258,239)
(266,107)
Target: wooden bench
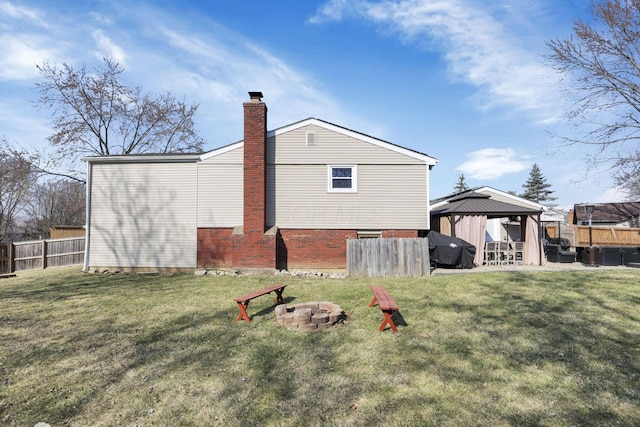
(387,305)
(243,301)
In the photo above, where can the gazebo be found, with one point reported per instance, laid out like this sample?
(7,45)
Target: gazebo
(466,216)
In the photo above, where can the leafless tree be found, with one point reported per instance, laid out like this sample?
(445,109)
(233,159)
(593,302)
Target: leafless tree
(54,202)
(603,57)
(94,113)
(16,177)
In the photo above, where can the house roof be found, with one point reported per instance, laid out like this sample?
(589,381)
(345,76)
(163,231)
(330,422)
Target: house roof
(607,212)
(355,134)
(472,203)
(336,128)
(144,158)
(193,157)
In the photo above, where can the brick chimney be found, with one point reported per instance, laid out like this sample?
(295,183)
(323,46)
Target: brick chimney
(255,171)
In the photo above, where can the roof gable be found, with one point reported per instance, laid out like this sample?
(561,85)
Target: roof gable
(221,150)
(356,135)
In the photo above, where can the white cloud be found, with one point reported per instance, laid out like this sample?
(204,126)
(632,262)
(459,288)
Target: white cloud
(611,195)
(479,49)
(492,163)
(21,13)
(218,68)
(334,10)
(20,54)
(194,57)
(108,48)
(22,44)
(101,19)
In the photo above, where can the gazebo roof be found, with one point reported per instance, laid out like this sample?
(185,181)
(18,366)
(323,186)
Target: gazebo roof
(481,204)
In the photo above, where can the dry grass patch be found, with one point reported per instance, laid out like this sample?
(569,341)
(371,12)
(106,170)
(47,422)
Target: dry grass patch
(481,349)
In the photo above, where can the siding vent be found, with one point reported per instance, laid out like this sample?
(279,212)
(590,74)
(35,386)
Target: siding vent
(369,234)
(311,138)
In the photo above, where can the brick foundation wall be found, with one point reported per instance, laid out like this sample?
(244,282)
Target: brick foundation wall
(324,249)
(317,249)
(400,234)
(289,249)
(215,248)
(254,250)
(220,248)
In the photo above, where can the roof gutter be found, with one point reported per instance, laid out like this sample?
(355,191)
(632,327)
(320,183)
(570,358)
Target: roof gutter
(87,233)
(162,158)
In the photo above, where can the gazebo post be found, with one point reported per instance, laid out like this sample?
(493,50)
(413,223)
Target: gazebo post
(539,242)
(453,225)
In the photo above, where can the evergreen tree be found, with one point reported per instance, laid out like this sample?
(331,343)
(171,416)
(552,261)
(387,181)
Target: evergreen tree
(536,188)
(461,185)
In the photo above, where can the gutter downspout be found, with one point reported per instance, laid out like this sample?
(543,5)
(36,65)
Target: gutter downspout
(87,233)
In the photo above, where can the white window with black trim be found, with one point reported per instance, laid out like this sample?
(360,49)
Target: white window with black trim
(342,179)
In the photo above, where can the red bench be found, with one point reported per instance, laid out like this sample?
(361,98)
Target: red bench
(243,301)
(387,305)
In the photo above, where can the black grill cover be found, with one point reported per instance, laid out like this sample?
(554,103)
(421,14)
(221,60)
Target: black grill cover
(450,251)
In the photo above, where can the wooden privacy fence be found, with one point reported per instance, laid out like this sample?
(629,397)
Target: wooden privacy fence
(392,257)
(607,236)
(21,256)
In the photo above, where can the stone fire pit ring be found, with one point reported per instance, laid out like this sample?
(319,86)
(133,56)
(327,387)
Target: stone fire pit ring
(310,316)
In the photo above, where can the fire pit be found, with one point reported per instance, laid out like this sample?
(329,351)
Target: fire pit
(310,316)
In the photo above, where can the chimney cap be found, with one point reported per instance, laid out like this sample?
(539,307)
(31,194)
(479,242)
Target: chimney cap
(255,96)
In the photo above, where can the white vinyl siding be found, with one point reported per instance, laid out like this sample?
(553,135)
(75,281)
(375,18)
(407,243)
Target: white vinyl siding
(220,190)
(391,192)
(143,215)
(388,197)
(311,138)
(330,148)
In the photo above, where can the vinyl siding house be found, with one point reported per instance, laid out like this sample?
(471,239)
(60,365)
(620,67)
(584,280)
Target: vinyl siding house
(284,199)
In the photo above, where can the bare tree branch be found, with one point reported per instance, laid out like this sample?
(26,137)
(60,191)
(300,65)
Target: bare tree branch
(16,178)
(604,59)
(95,114)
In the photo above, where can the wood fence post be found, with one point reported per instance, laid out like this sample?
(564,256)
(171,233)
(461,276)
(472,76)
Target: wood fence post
(10,257)
(44,254)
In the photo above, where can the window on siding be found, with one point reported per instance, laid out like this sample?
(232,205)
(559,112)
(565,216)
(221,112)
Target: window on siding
(342,179)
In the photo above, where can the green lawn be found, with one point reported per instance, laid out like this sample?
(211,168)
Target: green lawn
(522,349)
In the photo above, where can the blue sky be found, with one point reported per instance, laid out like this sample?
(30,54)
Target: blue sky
(461,80)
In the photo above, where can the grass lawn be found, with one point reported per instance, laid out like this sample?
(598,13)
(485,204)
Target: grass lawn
(522,349)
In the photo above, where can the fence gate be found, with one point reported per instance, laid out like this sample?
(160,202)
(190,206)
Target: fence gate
(392,257)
